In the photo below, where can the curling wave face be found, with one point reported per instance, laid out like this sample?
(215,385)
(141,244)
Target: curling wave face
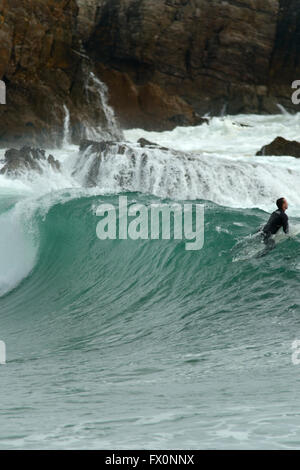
(141,343)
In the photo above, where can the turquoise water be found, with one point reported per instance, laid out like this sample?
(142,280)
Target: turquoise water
(142,344)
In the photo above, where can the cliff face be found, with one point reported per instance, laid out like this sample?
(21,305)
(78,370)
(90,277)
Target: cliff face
(212,54)
(35,62)
(42,65)
(166,62)
(285,62)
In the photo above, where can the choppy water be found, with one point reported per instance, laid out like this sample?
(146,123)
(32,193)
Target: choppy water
(142,344)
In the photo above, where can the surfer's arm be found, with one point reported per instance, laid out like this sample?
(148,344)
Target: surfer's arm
(285,224)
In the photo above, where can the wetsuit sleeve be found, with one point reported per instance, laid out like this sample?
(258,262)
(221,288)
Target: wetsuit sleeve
(285,223)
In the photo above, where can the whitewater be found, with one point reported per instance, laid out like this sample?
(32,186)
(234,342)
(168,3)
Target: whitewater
(140,344)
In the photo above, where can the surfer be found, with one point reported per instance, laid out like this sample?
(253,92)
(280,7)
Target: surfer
(277,220)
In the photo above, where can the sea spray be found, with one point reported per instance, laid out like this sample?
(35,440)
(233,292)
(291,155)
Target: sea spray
(110,130)
(2,353)
(215,162)
(231,182)
(67,138)
(142,342)
(113,125)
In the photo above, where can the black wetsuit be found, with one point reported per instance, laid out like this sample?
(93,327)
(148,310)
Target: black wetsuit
(277,220)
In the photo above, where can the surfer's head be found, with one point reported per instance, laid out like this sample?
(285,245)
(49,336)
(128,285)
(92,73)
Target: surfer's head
(282,204)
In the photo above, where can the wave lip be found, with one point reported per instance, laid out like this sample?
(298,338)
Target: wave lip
(18,248)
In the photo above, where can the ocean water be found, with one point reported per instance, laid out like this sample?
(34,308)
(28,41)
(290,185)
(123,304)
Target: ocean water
(142,344)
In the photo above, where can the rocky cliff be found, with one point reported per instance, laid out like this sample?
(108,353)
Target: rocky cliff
(166,62)
(218,56)
(46,72)
(285,59)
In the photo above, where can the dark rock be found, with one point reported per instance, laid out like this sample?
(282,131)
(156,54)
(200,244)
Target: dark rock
(101,147)
(27,158)
(105,146)
(166,62)
(285,64)
(179,120)
(53,163)
(98,151)
(37,64)
(207,54)
(280,147)
(240,124)
(146,143)
(147,106)
(199,121)
(101,150)
(44,65)
(182,120)
(93,145)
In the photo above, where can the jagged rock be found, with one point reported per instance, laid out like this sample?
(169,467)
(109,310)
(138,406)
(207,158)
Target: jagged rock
(86,17)
(281,146)
(101,150)
(183,120)
(147,106)
(36,61)
(284,64)
(166,62)
(208,54)
(53,163)
(100,147)
(105,149)
(146,143)
(94,146)
(200,120)
(106,146)
(240,124)
(27,158)
(45,67)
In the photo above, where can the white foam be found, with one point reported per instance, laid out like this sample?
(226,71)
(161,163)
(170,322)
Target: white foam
(225,136)
(18,249)
(112,128)
(226,169)
(217,163)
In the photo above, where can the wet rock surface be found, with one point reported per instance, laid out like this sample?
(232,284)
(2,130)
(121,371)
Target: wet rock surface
(212,55)
(46,72)
(281,147)
(166,63)
(27,158)
(97,152)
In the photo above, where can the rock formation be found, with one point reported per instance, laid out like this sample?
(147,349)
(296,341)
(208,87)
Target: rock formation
(285,64)
(211,54)
(27,158)
(218,56)
(46,72)
(96,152)
(281,146)
(166,62)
